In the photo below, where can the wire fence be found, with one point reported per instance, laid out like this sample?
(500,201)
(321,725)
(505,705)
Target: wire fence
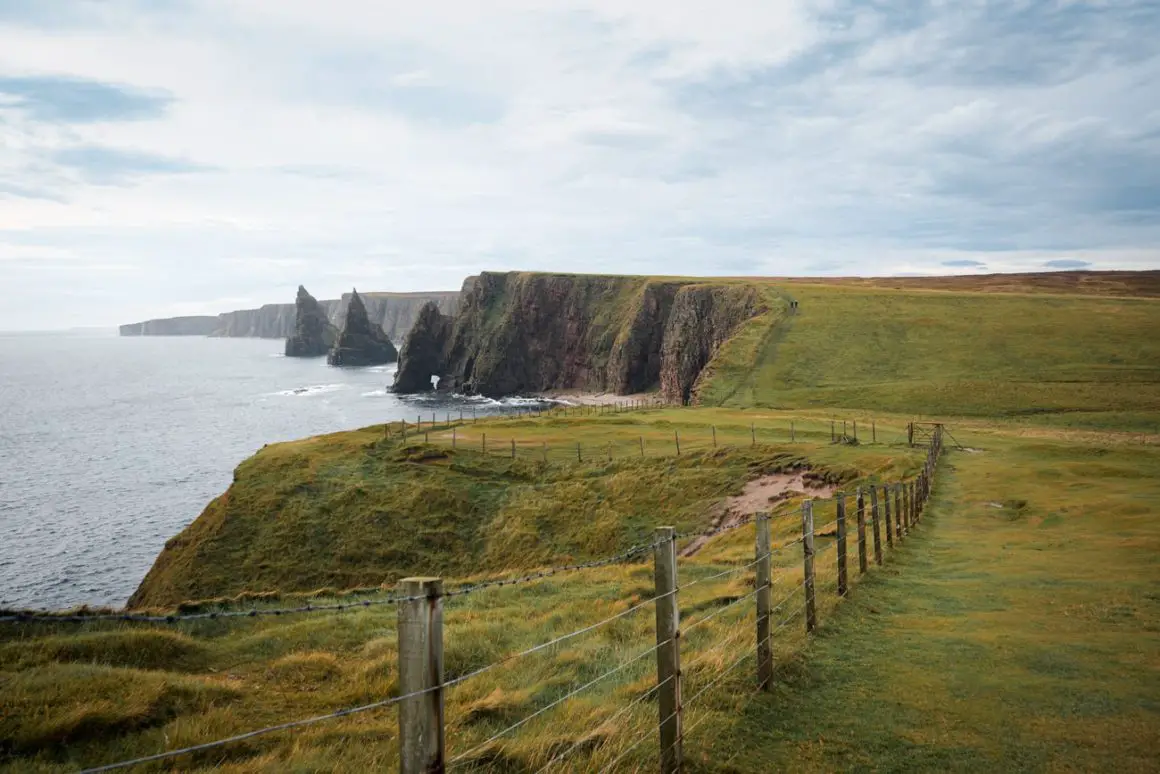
(423,688)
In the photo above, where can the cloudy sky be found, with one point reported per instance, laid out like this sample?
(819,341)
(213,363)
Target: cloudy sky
(163,157)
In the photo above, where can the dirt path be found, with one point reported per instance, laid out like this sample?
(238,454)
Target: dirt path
(758,496)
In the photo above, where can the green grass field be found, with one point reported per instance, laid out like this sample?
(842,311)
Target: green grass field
(1016,629)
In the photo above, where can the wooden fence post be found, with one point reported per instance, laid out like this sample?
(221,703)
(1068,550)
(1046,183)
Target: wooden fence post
(579,457)
(808,564)
(791,434)
(677,439)
(898,511)
(873,432)
(844,436)
(642,446)
(714,427)
(861,531)
(453,438)
(877,528)
(419,422)
(889,518)
(855,431)
(752,435)
(910,434)
(513,448)
(668,649)
(843,581)
(426,437)
(421,733)
(832,438)
(913,509)
(763,584)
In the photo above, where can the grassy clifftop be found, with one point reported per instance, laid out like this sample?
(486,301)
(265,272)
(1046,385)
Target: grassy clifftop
(1075,358)
(354,509)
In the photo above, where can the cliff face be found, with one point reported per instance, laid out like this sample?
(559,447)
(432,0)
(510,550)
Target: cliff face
(361,342)
(172,326)
(521,332)
(394,312)
(313,333)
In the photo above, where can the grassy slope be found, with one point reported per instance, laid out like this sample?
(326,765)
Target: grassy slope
(355,510)
(1025,638)
(1079,360)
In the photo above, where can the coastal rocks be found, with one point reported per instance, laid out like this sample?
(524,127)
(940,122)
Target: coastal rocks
(361,343)
(313,334)
(530,332)
(422,356)
(703,317)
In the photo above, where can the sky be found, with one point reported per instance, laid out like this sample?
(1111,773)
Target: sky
(168,157)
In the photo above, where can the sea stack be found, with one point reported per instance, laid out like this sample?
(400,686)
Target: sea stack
(313,334)
(361,343)
(422,355)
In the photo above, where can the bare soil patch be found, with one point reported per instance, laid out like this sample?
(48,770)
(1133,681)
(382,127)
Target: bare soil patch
(759,496)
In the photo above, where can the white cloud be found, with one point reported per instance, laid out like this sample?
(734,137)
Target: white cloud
(403,146)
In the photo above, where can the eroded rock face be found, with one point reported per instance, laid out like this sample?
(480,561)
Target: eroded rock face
(361,343)
(313,334)
(530,332)
(423,351)
(703,317)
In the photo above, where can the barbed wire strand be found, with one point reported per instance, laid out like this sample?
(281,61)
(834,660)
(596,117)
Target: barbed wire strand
(618,668)
(620,713)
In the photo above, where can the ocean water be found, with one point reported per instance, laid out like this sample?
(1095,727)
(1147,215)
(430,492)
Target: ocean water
(110,446)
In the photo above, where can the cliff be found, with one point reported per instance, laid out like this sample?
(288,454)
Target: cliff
(313,334)
(172,326)
(394,312)
(361,342)
(525,332)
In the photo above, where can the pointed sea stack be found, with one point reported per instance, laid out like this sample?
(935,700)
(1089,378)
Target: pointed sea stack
(361,343)
(313,334)
(422,355)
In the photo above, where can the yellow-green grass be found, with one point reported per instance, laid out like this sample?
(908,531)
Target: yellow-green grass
(102,691)
(1072,359)
(1021,637)
(359,509)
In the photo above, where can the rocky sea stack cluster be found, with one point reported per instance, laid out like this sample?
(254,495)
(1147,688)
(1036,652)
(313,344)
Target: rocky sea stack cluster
(361,342)
(313,334)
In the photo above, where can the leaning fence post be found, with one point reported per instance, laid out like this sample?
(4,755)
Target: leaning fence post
(861,505)
(421,734)
(843,584)
(762,583)
(889,518)
(808,564)
(714,427)
(677,439)
(877,529)
(668,648)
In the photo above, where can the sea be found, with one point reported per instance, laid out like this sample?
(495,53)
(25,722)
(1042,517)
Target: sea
(109,446)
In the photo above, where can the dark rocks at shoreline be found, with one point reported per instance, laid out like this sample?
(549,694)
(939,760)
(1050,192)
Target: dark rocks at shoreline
(423,355)
(361,343)
(313,334)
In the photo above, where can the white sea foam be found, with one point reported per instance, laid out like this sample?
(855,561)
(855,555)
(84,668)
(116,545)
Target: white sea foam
(316,389)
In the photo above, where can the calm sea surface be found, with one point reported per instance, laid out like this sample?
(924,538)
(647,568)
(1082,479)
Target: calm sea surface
(109,446)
